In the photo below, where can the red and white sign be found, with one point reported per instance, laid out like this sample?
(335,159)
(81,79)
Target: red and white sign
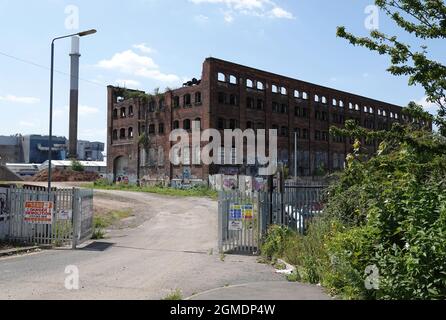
(39,212)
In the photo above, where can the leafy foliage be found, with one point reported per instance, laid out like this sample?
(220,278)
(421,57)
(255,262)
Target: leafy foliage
(424,20)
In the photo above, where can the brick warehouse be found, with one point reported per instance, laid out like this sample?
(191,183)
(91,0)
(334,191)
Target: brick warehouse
(230,96)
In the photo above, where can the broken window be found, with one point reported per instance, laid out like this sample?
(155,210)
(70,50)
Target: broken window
(115,114)
(274,89)
(221,97)
(152,106)
(249,103)
(176,124)
(335,102)
(131,111)
(296,94)
(233,100)
(283,91)
(186,124)
(161,104)
(260,85)
(221,77)
(122,134)
(176,102)
(232,79)
(221,124)
(123,114)
(130,133)
(197,98)
(161,128)
(316,98)
(187,100)
(249,83)
(324,100)
(259,104)
(152,129)
(304,95)
(115,134)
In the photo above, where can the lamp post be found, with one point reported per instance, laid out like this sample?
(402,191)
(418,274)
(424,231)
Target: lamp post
(50,147)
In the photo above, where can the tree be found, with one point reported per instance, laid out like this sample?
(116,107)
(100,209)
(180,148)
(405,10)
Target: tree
(424,20)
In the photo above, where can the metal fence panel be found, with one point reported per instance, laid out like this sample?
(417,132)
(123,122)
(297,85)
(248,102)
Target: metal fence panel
(72,218)
(294,208)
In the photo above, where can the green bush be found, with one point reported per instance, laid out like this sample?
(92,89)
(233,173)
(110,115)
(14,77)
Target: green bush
(77,166)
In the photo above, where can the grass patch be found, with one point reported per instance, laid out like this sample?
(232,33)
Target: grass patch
(104,221)
(176,295)
(199,191)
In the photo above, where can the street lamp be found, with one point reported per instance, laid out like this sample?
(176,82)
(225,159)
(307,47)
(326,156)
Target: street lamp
(50,147)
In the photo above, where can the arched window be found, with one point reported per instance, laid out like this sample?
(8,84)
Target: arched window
(221,77)
(350,106)
(357,107)
(131,111)
(396,116)
(341,103)
(304,95)
(316,98)
(115,114)
(176,124)
(161,104)
(371,110)
(123,113)
(379,112)
(152,129)
(296,94)
(232,79)
(130,133)
(122,134)
(274,89)
(186,124)
(324,100)
(283,91)
(197,97)
(115,134)
(161,128)
(384,113)
(260,85)
(249,83)
(335,103)
(366,109)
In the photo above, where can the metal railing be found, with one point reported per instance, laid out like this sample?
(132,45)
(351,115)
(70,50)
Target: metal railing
(71,220)
(244,218)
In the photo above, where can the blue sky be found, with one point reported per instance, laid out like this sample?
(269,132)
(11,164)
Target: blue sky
(146,44)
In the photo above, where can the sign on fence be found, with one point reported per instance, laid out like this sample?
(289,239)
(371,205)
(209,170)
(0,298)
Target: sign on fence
(39,212)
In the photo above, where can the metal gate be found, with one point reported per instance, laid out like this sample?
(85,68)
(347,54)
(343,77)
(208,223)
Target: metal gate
(244,218)
(71,222)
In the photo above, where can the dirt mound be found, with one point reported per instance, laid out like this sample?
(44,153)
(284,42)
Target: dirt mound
(66,175)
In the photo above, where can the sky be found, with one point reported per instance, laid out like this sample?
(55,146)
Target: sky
(146,44)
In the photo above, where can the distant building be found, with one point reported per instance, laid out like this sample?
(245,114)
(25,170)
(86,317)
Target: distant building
(90,151)
(35,148)
(10,150)
(89,166)
(23,169)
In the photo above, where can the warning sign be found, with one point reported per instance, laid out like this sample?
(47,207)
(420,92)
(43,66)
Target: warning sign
(39,212)
(235,225)
(236,212)
(248,212)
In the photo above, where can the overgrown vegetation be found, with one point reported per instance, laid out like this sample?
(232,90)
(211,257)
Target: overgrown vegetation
(197,191)
(104,221)
(176,295)
(76,166)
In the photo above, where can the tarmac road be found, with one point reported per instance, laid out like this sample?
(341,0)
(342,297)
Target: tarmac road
(174,247)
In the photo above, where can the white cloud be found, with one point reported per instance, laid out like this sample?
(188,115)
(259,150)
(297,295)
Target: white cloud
(430,107)
(259,8)
(129,62)
(15,99)
(143,48)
